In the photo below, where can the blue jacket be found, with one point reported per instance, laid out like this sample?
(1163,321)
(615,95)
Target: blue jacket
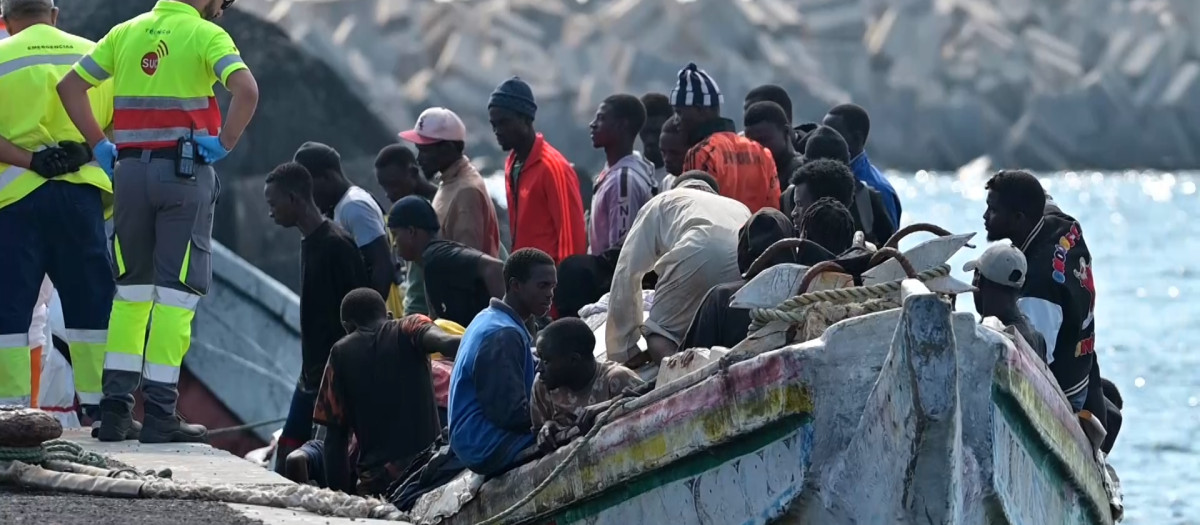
(866,173)
(489,391)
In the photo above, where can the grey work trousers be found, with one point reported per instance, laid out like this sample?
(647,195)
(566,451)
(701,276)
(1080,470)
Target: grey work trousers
(162,251)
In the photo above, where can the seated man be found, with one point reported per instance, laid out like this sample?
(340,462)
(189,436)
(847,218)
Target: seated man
(999,275)
(716,323)
(869,212)
(1059,293)
(493,373)
(459,280)
(688,235)
(570,380)
(378,386)
(828,225)
(830,178)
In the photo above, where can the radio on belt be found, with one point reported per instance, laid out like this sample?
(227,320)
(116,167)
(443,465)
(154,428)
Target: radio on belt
(185,163)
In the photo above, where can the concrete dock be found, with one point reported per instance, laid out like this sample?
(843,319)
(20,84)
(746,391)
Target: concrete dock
(188,462)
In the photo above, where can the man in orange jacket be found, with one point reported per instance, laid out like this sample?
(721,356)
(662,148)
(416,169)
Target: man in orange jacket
(743,168)
(545,209)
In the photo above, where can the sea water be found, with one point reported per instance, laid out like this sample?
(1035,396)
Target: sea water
(1143,230)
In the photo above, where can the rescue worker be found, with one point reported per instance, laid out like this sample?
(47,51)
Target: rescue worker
(167,136)
(52,204)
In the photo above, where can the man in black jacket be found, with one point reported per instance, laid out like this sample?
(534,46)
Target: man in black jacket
(1059,293)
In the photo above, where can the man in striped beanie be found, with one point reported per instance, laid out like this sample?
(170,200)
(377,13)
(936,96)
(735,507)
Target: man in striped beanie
(744,169)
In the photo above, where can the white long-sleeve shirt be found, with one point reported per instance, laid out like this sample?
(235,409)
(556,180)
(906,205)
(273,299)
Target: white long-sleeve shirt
(680,219)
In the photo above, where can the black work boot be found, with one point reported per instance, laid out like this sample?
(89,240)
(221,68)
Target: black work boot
(171,429)
(116,422)
(135,429)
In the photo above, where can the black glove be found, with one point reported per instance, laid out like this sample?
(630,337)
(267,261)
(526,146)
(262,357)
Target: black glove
(78,154)
(50,163)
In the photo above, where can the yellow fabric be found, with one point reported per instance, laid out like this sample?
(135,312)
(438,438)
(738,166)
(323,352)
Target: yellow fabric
(117,254)
(451,328)
(183,31)
(395,300)
(170,335)
(31,65)
(87,363)
(127,327)
(15,366)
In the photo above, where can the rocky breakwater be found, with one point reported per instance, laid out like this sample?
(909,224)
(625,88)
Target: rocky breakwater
(1046,85)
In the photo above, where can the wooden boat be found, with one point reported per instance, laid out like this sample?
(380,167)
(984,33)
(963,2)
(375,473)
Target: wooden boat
(245,354)
(911,414)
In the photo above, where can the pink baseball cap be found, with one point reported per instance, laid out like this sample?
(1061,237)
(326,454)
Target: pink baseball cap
(435,125)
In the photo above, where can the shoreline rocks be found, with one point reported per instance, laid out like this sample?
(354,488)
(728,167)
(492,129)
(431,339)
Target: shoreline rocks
(1103,84)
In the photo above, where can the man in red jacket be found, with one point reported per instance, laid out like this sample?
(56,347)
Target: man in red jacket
(545,209)
(743,168)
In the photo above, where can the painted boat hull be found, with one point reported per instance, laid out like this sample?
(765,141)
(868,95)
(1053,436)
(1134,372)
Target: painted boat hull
(917,414)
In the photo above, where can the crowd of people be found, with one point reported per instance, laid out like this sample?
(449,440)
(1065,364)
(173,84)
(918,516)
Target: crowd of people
(514,371)
(427,348)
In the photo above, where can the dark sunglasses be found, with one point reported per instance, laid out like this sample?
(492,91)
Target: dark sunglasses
(226,4)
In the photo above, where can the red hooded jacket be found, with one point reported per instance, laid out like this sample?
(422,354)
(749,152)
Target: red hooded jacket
(545,209)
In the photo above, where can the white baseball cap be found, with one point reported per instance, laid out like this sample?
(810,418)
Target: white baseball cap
(1001,263)
(435,125)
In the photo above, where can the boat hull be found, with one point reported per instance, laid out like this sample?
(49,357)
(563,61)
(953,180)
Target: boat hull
(913,415)
(751,482)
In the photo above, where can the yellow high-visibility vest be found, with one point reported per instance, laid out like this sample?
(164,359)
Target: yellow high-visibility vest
(32,63)
(163,65)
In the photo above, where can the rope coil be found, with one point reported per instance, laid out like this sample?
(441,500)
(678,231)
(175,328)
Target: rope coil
(53,450)
(876,297)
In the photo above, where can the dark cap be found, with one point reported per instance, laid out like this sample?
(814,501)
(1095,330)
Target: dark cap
(764,228)
(413,212)
(318,158)
(826,143)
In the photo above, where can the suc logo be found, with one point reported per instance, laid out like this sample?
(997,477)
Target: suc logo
(150,60)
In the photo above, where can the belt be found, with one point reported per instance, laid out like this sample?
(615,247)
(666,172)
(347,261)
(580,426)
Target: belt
(160,153)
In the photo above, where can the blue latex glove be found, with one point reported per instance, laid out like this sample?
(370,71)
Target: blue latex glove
(105,154)
(211,149)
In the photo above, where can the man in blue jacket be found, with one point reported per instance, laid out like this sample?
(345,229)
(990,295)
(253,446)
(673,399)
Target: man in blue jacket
(853,123)
(493,373)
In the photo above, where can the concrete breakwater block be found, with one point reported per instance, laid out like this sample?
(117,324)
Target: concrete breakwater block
(418,53)
(1008,55)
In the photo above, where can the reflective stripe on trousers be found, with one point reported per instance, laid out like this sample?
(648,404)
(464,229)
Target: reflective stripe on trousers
(15,365)
(87,363)
(170,333)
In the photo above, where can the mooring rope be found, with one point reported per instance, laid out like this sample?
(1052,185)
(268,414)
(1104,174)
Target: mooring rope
(601,420)
(53,450)
(794,310)
(321,501)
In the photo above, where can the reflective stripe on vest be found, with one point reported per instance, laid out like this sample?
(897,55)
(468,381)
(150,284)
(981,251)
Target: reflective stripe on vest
(158,122)
(31,63)
(163,65)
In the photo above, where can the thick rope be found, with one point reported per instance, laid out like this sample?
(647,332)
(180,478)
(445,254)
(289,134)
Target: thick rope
(794,310)
(601,420)
(306,497)
(53,450)
(70,457)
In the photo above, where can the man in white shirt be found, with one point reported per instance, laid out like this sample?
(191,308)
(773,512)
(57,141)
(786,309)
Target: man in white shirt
(689,237)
